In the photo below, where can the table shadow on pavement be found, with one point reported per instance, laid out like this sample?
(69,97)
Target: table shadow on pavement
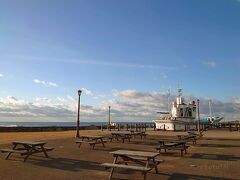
(215,157)
(177,176)
(68,164)
(218,145)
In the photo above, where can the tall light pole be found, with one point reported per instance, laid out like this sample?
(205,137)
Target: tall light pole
(78,117)
(109,116)
(198,116)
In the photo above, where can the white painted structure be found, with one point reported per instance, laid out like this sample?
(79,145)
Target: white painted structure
(180,115)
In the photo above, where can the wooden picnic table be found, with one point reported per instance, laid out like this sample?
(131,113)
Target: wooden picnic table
(138,133)
(188,138)
(121,135)
(91,140)
(200,134)
(27,148)
(121,132)
(172,144)
(145,159)
(171,141)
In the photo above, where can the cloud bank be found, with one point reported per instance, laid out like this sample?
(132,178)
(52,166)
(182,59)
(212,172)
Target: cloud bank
(86,91)
(126,105)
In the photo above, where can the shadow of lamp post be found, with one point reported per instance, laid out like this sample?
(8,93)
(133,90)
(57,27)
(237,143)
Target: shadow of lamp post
(78,117)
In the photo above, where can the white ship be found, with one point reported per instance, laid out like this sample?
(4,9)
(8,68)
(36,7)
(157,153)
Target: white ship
(180,117)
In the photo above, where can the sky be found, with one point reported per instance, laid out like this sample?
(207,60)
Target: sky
(125,54)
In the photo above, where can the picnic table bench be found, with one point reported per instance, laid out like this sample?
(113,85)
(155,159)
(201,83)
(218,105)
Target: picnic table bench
(146,160)
(139,133)
(121,135)
(172,144)
(27,148)
(91,140)
(199,135)
(188,138)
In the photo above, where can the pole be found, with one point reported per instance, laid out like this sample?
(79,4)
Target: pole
(210,110)
(78,117)
(198,116)
(169,100)
(109,115)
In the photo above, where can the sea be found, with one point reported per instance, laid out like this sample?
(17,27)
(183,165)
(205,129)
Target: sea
(59,124)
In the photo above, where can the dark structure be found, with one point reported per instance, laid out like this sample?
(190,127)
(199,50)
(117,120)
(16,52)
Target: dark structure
(78,117)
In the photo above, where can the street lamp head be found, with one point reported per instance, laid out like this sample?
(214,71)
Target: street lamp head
(79,92)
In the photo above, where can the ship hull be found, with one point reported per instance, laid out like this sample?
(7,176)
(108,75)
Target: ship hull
(175,125)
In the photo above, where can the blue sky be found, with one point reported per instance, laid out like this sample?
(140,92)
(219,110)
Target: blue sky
(49,49)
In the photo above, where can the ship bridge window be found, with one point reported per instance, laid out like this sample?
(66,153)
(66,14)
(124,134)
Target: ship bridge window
(194,109)
(181,111)
(190,112)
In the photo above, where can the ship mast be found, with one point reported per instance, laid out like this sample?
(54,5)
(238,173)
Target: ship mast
(210,109)
(179,95)
(168,94)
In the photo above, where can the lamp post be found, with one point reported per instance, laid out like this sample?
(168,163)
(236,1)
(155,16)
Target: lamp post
(78,117)
(198,116)
(109,116)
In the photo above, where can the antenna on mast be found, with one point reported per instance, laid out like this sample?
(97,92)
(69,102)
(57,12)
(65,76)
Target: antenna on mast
(168,94)
(179,91)
(179,99)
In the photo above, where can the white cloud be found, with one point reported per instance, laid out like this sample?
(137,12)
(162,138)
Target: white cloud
(70,98)
(211,64)
(52,84)
(45,83)
(86,91)
(41,107)
(41,99)
(11,100)
(127,105)
(100,96)
(1,75)
(38,81)
(133,104)
(99,63)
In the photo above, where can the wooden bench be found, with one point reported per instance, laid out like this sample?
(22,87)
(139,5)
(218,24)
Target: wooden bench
(79,143)
(188,138)
(27,148)
(47,148)
(138,133)
(119,136)
(13,151)
(143,134)
(10,151)
(142,161)
(193,140)
(143,170)
(91,143)
(181,148)
(158,161)
(22,151)
(199,135)
(125,137)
